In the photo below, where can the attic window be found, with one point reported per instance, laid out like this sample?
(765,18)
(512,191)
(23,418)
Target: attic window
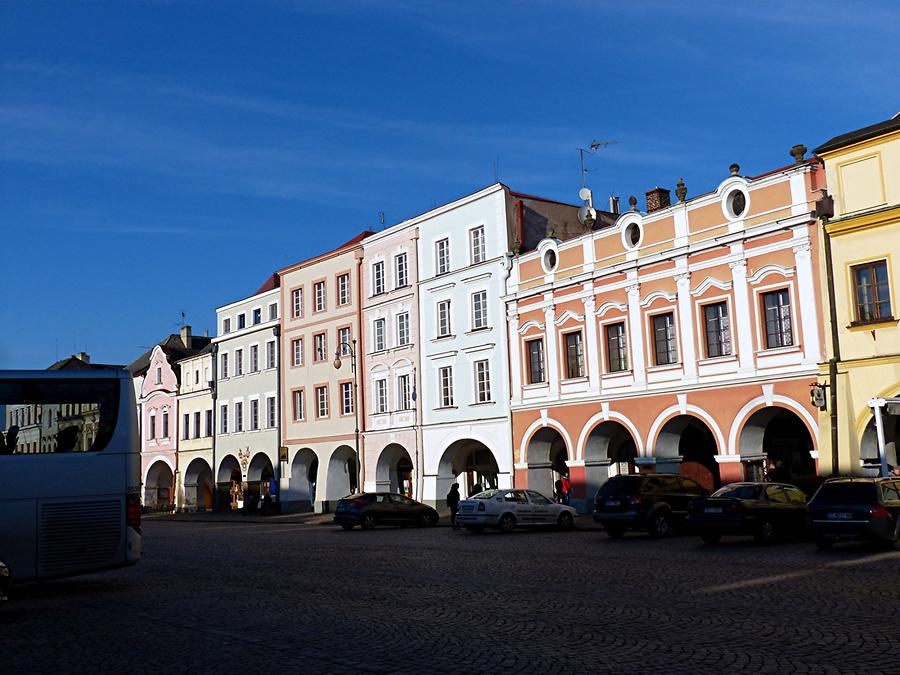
(633,235)
(549,261)
(737,203)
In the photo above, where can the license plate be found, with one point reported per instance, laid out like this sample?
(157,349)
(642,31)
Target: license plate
(612,502)
(839,515)
(712,509)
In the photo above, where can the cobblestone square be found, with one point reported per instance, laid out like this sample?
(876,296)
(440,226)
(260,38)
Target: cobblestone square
(255,597)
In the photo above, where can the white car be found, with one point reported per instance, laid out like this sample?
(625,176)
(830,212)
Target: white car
(508,509)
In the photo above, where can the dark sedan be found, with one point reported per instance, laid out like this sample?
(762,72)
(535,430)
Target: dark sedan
(766,511)
(856,508)
(382,508)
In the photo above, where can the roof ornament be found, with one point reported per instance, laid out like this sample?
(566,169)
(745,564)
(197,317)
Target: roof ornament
(632,202)
(680,190)
(735,169)
(798,152)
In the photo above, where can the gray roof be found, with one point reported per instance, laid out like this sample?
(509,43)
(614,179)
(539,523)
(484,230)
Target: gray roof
(174,349)
(860,135)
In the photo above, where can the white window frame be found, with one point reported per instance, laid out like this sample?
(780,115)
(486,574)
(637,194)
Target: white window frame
(442,256)
(271,355)
(298,401)
(379,332)
(482,369)
(343,282)
(345,337)
(297,302)
(403,329)
(346,390)
(323,351)
(271,412)
(445,386)
(479,322)
(320,296)
(238,417)
(254,358)
(238,362)
(401,270)
(477,247)
(445,318)
(254,423)
(404,391)
(321,402)
(381,396)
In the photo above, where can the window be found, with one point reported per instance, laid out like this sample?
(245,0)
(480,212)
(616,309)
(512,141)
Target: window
(479,310)
(197,376)
(299,406)
(404,400)
(223,419)
(664,339)
(257,316)
(196,425)
(381,404)
(242,321)
(270,354)
(254,414)
(872,292)
(297,352)
(151,431)
(165,424)
(483,381)
(445,377)
(321,347)
(223,370)
(297,302)
(270,412)
(535,351)
(238,361)
(254,358)
(343,289)
(442,256)
(209,424)
(379,335)
(185,426)
(777,307)
(403,329)
(159,375)
(226,325)
(273,311)
(443,318)
(476,245)
(239,416)
(616,354)
(319,295)
(378,278)
(718,330)
(344,339)
(401,271)
(321,402)
(574,355)
(346,398)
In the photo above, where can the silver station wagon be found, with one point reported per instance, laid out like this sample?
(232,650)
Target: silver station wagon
(506,510)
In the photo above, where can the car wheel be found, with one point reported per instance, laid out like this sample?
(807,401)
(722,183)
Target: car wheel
(766,533)
(368,522)
(615,532)
(660,524)
(565,521)
(427,520)
(507,523)
(711,539)
(824,543)
(347,526)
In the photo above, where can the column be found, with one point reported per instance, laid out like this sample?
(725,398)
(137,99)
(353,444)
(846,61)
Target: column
(593,343)
(515,359)
(742,316)
(552,353)
(636,329)
(807,303)
(686,326)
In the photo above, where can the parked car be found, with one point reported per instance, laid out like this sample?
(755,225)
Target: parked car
(382,508)
(767,511)
(506,510)
(657,503)
(856,508)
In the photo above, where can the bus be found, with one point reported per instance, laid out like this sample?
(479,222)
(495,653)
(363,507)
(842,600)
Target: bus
(70,473)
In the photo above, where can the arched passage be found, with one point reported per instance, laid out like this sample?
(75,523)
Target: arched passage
(782,438)
(259,473)
(304,477)
(228,476)
(158,492)
(341,479)
(393,472)
(685,440)
(198,486)
(868,446)
(546,456)
(469,463)
(610,450)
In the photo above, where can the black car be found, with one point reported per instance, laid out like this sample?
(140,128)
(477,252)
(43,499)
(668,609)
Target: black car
(767,511)
(654,502)
(856,508)
(382,508)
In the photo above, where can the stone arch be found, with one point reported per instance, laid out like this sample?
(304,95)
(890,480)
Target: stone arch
(686,444)
(609,449)
(868,441)
(546,454)
(259,473)
(536,426)
(778,436)
(198,486)
(341,474)
(158,486)
(228,473)
(394,470)
(469,462)
(304,480)
(766,401)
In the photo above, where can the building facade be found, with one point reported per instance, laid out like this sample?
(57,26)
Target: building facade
(194,484)
(247,401)
(681,339)
(863,233)
(321,298)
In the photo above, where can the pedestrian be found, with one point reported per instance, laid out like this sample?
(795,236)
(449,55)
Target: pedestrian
(558,490)
(779,473)
(453,504)
(476,489)
(566,489)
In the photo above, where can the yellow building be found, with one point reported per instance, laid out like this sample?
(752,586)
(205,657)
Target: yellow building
(861,227)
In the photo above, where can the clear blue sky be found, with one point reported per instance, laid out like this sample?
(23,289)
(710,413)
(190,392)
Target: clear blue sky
(166,156)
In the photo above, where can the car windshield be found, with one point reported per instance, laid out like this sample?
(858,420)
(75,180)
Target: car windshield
(487,494)
(738,492)
(847,492)
(621,485)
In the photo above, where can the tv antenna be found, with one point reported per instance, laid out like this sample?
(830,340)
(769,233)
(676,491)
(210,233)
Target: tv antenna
(381,218)
(181,323)
(594,146)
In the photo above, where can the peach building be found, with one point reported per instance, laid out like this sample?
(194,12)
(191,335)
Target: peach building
(681,339)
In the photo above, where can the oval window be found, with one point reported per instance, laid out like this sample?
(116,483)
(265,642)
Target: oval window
(633,235)
(550,260)
(737,203)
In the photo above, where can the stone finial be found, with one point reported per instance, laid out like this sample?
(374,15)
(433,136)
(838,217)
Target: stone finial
(550,231)
(680,190)
(735,169)
(632,202)
(798,152)
(516,246)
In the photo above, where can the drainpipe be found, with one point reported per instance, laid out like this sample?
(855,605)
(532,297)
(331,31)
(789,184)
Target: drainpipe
(418,427)
(276,331)
(825,210)
(360,374)
(214,371)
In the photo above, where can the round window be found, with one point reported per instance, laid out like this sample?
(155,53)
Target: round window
(633,234)
(737,203)
(550,260)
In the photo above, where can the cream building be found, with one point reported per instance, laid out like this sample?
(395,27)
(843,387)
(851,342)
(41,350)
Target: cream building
(194,486)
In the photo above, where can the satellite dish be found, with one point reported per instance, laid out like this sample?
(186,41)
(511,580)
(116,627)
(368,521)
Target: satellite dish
(585,194)
(587,215)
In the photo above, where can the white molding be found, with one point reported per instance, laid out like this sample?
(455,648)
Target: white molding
(711,282)
(766,270)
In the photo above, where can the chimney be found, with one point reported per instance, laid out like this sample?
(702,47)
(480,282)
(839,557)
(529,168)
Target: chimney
(658,198)
(186,336)
(614,204)
(83,357)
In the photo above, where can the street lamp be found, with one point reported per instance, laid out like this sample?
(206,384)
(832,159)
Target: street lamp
(351,347)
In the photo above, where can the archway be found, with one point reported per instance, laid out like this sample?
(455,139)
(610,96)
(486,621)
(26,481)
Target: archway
(686,440)
(868,446)
(304,476)
(228,475)
(546,456)
(469,463)
(610,450)
(782,439)
(393,472)
(198,486)
(158,491)
(259,473)
(341,479)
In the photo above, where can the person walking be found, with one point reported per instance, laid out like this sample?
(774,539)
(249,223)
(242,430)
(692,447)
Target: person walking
(566,486)
(453,504)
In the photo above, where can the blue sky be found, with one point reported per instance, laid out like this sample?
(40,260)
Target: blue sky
(164,156)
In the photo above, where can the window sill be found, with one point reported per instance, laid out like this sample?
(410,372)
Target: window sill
(483,329)
(439,338)
(886,322)
(709,360)
(617,373)
(581,379)
(664,367)
(778,350)
(447,407)
(536,385)
(482,404)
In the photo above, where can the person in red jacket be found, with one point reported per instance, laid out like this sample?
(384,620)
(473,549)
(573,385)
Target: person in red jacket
(566,489)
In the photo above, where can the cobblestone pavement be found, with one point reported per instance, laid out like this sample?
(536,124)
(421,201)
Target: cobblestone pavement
(234,597)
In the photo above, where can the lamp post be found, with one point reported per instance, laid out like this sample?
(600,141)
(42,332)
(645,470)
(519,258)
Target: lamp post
(351,346)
